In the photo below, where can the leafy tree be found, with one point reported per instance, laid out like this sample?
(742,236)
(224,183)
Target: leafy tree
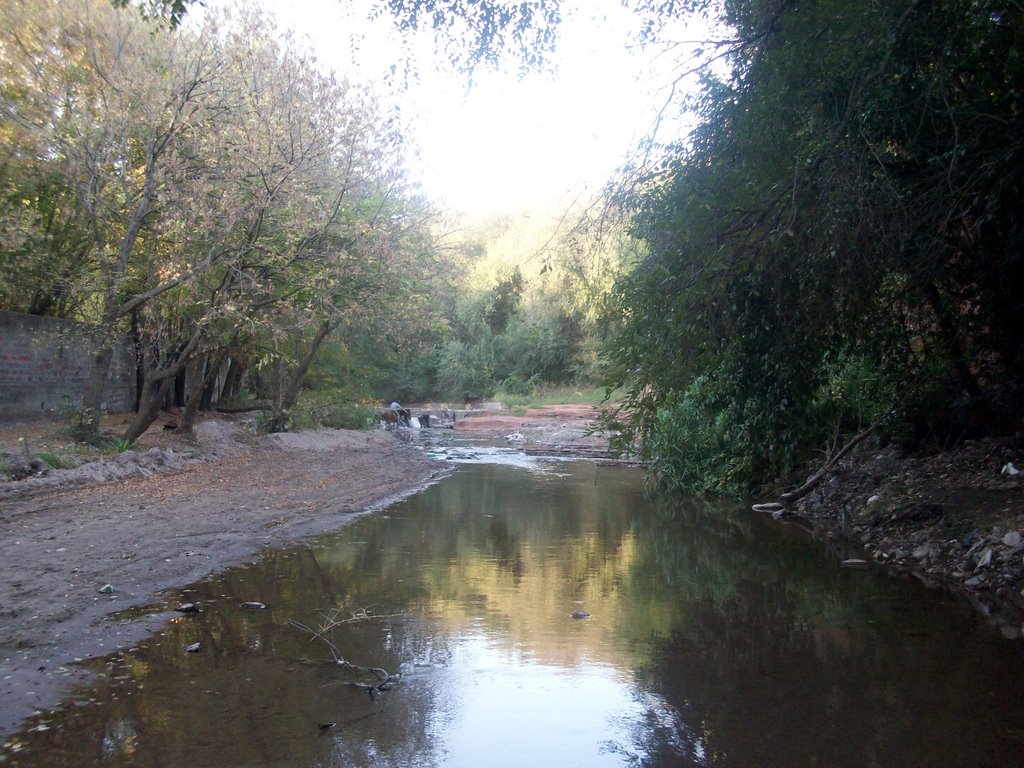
(838,209)
(115,101)
(475,32)
(210,185)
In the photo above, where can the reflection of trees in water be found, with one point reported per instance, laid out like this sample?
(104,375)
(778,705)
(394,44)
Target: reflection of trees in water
(773,659)
(258,689)
(750,647)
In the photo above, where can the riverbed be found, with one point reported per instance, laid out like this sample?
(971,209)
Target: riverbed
(525,612)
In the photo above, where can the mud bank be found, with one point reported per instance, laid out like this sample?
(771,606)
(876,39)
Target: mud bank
(79,547)
(952,520)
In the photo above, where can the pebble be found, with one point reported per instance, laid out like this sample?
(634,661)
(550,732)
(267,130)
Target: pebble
(194,648)
(252,606)
(985,559)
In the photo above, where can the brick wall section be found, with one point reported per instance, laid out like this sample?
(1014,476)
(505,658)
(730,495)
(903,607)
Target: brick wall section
(44,364)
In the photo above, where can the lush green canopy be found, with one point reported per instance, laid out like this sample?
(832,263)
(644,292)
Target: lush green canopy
(840,240)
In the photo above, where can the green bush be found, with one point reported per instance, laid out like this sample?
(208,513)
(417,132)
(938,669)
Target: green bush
(516,386)
(55,461)
(467,370)
(331,409)
(695,444)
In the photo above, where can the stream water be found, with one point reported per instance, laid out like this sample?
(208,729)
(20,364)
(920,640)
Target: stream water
(715,638)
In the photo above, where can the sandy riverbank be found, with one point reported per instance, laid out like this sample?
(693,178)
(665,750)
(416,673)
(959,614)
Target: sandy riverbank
(148,522)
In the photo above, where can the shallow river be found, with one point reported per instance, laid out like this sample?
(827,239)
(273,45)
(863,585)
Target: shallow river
(715,638)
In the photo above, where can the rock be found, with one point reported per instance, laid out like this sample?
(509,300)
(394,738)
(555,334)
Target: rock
(106,589)
(187,608)
(985,559)
(580,615)
(1009,469)
(1013,539)
(874,499)
(917,512)
(855,563)
(194,648)
(974,582)
(1010,632)
(252,606)
(970,539)
(923,552)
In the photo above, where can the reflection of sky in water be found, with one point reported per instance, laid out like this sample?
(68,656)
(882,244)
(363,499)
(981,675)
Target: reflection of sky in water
(503,711)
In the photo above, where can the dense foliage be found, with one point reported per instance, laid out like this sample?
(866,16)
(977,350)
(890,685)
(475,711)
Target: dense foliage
(839,241)
(206,189)
(837,244)
(522,311)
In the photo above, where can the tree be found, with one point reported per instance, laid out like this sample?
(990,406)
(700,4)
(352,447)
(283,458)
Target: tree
(212,185)
(115,100)
(834,226)
(476,32)
(307,191)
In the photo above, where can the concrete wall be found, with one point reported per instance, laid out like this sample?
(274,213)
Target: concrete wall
(44,364)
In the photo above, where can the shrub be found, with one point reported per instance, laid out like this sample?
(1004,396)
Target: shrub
(331,409)
(57,462)
(695,445)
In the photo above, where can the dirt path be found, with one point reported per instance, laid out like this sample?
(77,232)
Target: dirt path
(179,516)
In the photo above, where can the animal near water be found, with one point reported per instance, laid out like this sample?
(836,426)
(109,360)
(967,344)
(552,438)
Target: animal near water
(392,418)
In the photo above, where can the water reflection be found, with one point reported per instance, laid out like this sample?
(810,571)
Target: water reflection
(715,638)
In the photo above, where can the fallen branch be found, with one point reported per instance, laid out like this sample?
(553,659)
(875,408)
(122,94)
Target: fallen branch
(242,408)
(385,680)
(814,480)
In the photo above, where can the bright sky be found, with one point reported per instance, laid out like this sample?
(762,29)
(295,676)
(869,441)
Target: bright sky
(505,144)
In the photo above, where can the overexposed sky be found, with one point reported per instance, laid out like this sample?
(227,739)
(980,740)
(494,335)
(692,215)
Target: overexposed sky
(505,144)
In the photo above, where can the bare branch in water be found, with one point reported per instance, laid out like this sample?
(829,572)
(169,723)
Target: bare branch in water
(334,619)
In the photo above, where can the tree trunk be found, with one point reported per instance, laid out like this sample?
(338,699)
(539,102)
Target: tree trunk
(138,358)
(181,383)
(952,339)
(157,386)
(87,425)
(210,385)
(198,391)
(286,395)
(153,393)
(195,374)
(233,380)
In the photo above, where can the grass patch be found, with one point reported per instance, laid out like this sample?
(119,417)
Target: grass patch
(55,461)
(546,395)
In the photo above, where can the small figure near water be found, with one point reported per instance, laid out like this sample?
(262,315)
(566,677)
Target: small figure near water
(397,416)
